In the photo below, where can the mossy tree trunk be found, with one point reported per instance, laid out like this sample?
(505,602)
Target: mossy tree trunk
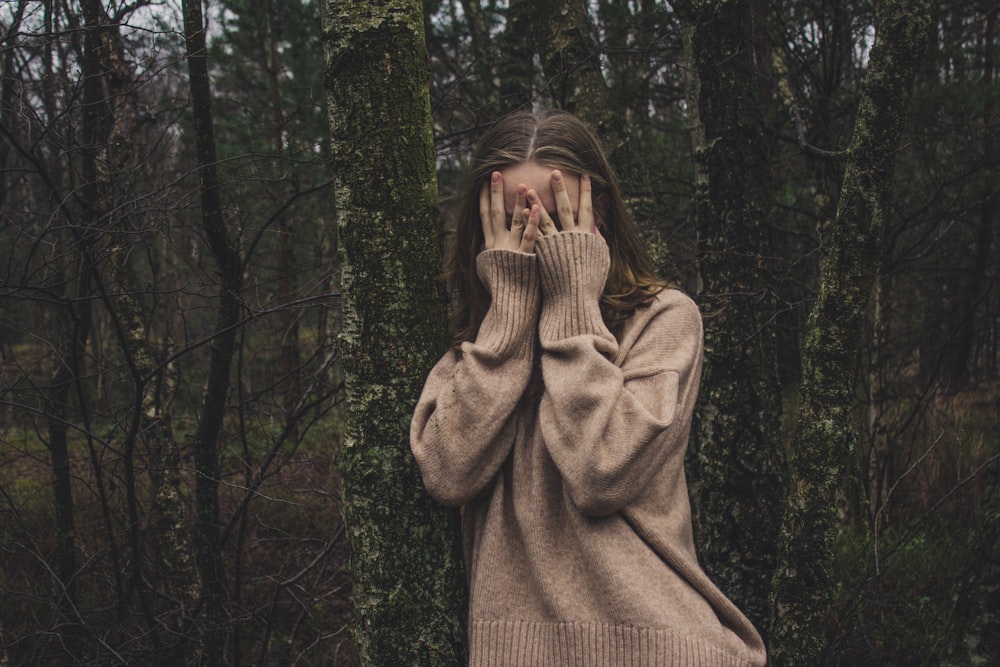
(737,471)
(406,566)
(827,425)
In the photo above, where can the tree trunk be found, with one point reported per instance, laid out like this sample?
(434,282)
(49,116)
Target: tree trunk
(961,363)
(8,89)
(67,360)
(409,586)
(827,430)
(880,475)
(287,282)
(75,329)
(738,470)
(516,69)
(206,440)
(483,50)
(567,48)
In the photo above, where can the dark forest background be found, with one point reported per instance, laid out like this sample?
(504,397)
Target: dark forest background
(172,400)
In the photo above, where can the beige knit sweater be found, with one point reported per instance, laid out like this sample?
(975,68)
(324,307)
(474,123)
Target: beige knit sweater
(565,446)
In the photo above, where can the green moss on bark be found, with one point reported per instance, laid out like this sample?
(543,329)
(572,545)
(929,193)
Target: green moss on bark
(737,468)
(409,586)
(825,439)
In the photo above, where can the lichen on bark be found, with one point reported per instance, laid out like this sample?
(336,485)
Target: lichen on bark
(826,433)
(409,585)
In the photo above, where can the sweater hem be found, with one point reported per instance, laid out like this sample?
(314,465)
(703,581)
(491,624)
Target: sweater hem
(520,643)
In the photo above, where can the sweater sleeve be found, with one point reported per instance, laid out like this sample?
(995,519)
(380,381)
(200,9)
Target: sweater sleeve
(610,428)
(462,428)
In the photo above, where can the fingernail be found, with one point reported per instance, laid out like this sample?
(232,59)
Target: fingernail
(557,175)
(521,189)
(496,177)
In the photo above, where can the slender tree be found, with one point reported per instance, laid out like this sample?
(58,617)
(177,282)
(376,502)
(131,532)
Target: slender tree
(8,89)
(228,311)
(853,246)
(409,586)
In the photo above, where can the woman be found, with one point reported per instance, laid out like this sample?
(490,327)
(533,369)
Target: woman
(559,419)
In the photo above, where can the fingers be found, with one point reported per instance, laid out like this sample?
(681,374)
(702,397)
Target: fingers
(586,213)
(493,217)
(520,212)
(564,207)
(491,212)
(545,224)
(498,218)
(531,218)
(530,230)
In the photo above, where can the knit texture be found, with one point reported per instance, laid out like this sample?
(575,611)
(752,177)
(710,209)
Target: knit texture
(576,517)
(512,281)
(533,644)
(573,270)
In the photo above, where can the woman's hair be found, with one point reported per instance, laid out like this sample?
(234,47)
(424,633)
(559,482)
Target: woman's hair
(558,140)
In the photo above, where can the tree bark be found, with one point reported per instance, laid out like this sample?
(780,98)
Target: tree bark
(961,362)
(516,69)
(738,470)
(74,330)
(75,324)
(288,282)
(206,440)
(483,49)
(827,431)
(409,585)
(8,90)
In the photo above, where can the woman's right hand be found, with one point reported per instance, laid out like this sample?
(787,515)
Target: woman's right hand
(523,230)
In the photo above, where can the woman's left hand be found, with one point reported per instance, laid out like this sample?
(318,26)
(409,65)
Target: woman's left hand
(583,221)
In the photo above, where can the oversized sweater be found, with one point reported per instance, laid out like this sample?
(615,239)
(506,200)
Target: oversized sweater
(565,447)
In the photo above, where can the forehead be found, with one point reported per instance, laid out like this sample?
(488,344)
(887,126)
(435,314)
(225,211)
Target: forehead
(536,177)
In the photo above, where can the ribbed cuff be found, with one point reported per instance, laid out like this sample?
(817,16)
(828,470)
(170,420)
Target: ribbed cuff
(573,267)
(512,281)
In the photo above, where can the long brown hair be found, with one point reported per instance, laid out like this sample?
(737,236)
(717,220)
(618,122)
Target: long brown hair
(558,140)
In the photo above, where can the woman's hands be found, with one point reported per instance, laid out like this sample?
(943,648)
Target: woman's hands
(527,223)
(492,212)
(581,221)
